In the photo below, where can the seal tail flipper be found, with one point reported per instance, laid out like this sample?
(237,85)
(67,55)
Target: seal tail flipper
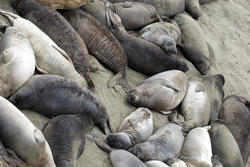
(119,79)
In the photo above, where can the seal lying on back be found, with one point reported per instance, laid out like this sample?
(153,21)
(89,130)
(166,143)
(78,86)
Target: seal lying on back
(161,92)
(17,61)
(136,128)
(64,4)
(20,135)
(59,30)
(52,95)
(66,137)
(143,56)
(236,114)
(101,43)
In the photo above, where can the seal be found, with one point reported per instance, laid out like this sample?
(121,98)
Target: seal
(161,92)
(164,34)
(155,163)
(101,43)
(64,4)
(194,46)
(17,61)
(52,95)
(193,8)
(14,123)
(216,161)
(59,30)
(235,113)
(66,137)
(135,128)
(50,59)
(163,145)
(143,56)
(224,145)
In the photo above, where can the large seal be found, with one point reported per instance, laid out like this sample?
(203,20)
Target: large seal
(194,45)
(236,114)
(66,137)
(161,92)
(163,145)
(59,30)
(101,43)
(143,56)
(64,4)
(193,8)
(52,95)
(155,163)
(50,59)
(20,135)
(224,145)
(136,128)
(17,61)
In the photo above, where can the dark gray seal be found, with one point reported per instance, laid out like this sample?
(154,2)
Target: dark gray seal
(52,95)
(66,136)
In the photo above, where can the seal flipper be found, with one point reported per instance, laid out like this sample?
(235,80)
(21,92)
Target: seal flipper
(81,148)
(102,145)
(62,53)
(119,79)
(41,70)
(11,16)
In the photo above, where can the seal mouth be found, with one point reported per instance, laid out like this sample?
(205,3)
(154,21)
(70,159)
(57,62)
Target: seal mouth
(132,98)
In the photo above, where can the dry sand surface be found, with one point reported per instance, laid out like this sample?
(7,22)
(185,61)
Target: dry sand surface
(226,25)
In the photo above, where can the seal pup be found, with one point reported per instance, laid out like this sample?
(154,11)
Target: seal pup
(52,95)
(64,4)
(143,56)
(101,43)
(236,115)
(224,145)
(135,128)
(59,30)
(161,92)
(155,163)
(50,59)
(14,123)
(66,136)
(163,145)
(17,61)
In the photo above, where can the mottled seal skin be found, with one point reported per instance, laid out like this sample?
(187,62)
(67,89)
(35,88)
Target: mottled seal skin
(143,56)
(194,45)
(155,163)
(161,92)
(101,43)
(64,4)
(59,30)
(20,135)
(135,128)
(52,95)
(235,113)
(163,145)
(66,136)
(224,145)
(17,61)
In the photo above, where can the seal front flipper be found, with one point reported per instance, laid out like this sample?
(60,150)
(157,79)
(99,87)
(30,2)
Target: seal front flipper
(81,148)
(11,16)
(63,53)
(41,70)
(119,79)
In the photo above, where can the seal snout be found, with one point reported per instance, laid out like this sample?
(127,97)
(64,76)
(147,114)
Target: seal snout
(132,98)
(119,141)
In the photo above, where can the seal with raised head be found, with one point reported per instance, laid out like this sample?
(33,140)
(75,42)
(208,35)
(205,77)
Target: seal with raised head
(136,128)
(224,145)
(163,145)
(155,163)
(17,61)
(161,92)
(20,135)
(64,4)
(66,136)
(59,30)
(236,114)
(52,95)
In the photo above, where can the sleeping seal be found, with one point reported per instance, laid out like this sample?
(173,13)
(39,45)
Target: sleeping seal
(64,4)
(155,163)
(136,128)
(17,61)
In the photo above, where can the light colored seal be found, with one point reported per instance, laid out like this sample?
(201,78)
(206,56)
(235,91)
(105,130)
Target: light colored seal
(20,135)
(161,92)
(64,4)
(135,128)
(17,61)
(155,163)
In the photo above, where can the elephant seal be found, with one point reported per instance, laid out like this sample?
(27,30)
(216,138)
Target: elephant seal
(163,145)
(101,43)
(64,4)
(50,59)
(52,95)
(193,8)
(161,92)
(155,163)
(216,161)
(30,145)
(236,114)
(135,128)
(17,61)
(59,30)
(164,34)
(224,145)
(66,137)
(194,45)
(143,56)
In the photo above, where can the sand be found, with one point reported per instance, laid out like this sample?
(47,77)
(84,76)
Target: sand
(226,25)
